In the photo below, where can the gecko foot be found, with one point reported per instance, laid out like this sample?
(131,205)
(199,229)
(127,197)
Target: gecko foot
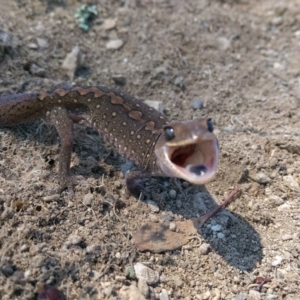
(68,183)
(134,186)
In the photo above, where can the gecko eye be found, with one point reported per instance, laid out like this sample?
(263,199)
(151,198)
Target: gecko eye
(210,125)
(169,133)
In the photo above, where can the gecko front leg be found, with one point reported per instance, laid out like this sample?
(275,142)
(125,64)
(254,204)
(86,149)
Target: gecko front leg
(133,182)
(64,123)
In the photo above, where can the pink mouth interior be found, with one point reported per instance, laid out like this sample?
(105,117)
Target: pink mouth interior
(181,154)
(197,159)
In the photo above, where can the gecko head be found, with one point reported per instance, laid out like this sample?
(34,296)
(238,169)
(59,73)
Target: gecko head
(188,150)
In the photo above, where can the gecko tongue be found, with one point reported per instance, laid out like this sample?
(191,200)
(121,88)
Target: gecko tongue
(198,170)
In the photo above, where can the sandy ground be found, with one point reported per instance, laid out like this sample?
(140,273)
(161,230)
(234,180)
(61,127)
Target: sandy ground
(241,59)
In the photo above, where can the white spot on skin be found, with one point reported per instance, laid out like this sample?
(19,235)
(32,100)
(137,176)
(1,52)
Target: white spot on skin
(116,140)
(138,137)
(132,132)
(89,100)
(114,114)
(59,100)
(124,123)
(148,155)
(75,100)
(98,106)
(148,141)
(104,117)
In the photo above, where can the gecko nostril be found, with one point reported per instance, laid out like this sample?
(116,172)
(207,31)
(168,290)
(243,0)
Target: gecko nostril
(210,125)
(198,170)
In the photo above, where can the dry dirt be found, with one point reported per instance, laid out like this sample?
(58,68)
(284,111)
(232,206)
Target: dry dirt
(241,58)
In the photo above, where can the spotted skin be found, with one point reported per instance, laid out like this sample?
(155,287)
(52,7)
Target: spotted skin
(134,129)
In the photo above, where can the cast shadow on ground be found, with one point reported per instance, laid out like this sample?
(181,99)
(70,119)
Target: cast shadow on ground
(227,233)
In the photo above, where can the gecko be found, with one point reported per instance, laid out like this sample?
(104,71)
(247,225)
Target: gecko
(158,147)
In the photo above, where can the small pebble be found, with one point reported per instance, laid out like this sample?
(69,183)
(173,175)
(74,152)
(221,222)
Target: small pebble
(220,235)
(197,104)
(143,287)
(177,281)
(216,227)
(153,206)
(277,261)
(7,270)
(109,24)
(292,183)
(42,43)
(32,46)
(206,295)
(131,293)
(172,226)
(143,272)
(204,248)
(254,295)
(287,237)
(93,248)
(262,178)
(119,79)
(241,296)
(114,44)
(157,105)
(72,62)
(36,70)
(276,200)
(178,81)
(223,43)
(173,194)
(153,218)
(24,248)
(88,199)
(74,239)
(120,278)
(51,198)
(164,295)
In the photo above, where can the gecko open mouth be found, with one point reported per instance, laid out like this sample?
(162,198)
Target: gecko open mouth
(196,162)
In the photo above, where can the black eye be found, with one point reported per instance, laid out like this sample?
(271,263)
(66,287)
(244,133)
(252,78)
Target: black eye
(210,125)
(169,133)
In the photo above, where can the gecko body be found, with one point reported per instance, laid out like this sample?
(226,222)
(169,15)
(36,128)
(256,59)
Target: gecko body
(184,149)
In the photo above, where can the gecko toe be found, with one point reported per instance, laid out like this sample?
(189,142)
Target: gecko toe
(68,184)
